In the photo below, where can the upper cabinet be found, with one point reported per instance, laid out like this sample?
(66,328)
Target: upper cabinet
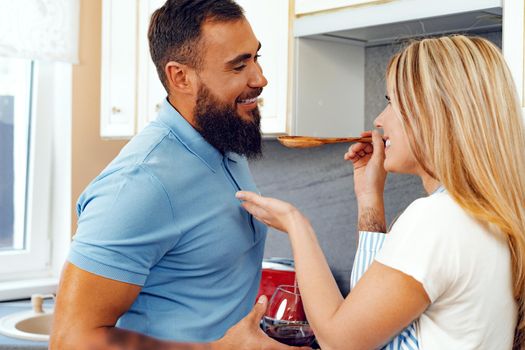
(303,7)
(331,41)
(271,21)
(513,43)
(395,18)
(313,55)
(150,91)
(118,69)
(131,92)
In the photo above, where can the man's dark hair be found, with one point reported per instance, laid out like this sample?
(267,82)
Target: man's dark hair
(174,32)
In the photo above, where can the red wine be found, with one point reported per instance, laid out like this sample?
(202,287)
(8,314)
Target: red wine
(295,333)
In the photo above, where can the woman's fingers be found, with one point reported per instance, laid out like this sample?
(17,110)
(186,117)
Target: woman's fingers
(260,214)
(355,150)
(379,146)
(248,196)
(245,195)
(270,211)
(255,210)
(252,202)
(359,150)
(377,140)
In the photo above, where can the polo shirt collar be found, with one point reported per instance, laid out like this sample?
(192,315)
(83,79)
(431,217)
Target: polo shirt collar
(189,137)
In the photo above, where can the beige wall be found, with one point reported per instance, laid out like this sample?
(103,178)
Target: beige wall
(89,152)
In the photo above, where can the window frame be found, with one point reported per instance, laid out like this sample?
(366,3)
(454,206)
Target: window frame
(36,268)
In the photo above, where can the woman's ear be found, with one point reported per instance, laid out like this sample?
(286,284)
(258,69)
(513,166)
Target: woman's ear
(179,78)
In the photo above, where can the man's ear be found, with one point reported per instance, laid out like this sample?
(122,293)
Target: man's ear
(179,77)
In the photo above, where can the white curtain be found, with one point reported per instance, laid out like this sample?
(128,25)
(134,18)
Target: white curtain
(40,29)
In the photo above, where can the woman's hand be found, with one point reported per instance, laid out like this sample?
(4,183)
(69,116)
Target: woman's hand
(273,212)
(369,172)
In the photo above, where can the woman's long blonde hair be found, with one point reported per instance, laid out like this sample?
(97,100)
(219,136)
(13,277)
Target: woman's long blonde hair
(459,107)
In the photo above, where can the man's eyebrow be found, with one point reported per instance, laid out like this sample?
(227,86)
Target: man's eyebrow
(242,57)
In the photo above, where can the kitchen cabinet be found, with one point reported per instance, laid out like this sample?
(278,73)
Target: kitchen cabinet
(150,91)
(442,16)
(271,21)
(130,87)
(118,69)
(131,91)
(313,55)
(513,43)
(330,46)
(303,7)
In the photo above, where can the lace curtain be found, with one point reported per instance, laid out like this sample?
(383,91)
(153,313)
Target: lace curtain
(40,29)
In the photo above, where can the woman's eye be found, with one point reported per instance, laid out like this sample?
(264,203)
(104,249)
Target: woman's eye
(387,99)
(256,58)
(239,68)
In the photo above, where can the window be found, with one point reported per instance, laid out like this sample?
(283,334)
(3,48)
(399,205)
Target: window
(38,46)
(15,121)
(35,156)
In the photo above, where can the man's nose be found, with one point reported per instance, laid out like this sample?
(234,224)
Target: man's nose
(258,79)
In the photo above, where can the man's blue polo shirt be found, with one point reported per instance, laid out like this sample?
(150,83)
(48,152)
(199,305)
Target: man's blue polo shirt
(163,215)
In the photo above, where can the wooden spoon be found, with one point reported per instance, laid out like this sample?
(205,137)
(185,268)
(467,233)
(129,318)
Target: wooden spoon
(309,141)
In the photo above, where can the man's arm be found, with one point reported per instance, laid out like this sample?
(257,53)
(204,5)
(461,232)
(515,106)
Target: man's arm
(88,307)
(86,310)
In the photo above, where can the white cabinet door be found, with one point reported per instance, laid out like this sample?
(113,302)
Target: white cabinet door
(513,43)
(270,21)
(309,6)
(328,102)
(131,89)
(118,68)
(150,92)
(377,13)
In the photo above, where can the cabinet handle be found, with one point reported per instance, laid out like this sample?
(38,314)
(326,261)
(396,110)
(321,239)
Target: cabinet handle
(115,110)
(260,102)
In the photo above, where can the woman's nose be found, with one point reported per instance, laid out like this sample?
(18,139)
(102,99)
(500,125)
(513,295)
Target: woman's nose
(378,122)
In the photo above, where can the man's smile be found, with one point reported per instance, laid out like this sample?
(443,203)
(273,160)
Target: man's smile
(247,101)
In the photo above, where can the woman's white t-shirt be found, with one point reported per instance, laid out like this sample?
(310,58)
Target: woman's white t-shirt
(464,267)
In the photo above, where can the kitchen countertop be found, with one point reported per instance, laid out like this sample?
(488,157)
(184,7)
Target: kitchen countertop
(7,343)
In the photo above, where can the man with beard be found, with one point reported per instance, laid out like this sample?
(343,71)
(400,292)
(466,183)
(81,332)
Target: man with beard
(163,250)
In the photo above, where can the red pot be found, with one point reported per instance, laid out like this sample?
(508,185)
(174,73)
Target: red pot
(275,272)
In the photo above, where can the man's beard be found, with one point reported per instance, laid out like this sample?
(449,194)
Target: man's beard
(223,128)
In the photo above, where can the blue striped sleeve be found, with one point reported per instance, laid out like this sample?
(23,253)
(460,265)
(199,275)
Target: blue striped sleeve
(369,245)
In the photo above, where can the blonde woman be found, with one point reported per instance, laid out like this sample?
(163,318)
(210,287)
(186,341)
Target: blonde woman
(454,261)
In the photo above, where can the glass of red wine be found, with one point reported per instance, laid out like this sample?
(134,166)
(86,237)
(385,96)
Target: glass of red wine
(285,320)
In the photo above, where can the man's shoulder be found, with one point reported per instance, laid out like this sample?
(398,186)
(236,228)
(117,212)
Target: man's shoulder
(153,144)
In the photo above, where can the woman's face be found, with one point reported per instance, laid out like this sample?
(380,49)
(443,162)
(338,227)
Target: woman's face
(398,156)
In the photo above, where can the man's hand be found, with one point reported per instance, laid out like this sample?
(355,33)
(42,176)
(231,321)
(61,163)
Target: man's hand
(247,335)
(369,181)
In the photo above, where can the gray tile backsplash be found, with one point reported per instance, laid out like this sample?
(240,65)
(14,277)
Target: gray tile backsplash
(376,60)
(319,182)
